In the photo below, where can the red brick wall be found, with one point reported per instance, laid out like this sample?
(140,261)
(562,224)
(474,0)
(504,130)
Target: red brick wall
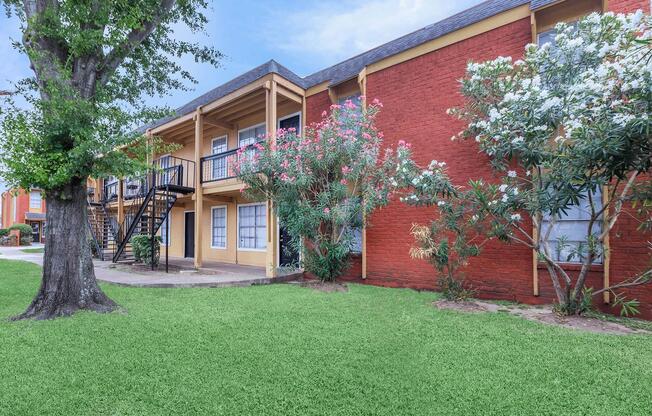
(416,95)
(627,6)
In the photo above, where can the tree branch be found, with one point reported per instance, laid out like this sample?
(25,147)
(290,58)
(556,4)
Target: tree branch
(135,38)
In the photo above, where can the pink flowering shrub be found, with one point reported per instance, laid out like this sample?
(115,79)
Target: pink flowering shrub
(324,184)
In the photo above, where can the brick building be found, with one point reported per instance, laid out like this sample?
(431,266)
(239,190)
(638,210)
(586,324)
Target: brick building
(416,78)
(22,207)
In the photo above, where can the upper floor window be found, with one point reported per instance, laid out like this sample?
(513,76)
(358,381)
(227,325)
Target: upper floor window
(218,145)
(250,135)
(219,165)
(35,200)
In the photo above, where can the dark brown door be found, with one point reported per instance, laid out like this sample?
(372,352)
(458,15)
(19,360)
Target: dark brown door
(190,235)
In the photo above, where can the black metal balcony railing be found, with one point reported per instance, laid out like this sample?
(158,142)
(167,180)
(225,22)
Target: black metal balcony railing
(168,170)
(220,166)
(174,171)
(110,191)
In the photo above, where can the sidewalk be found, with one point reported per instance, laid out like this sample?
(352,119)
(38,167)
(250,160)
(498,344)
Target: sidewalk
(120,275)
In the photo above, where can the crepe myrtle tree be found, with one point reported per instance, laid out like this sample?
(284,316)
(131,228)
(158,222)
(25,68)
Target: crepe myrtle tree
(568,127)
(326,183)
(92,62)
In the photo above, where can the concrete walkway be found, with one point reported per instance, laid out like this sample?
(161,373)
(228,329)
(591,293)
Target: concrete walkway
(214,275)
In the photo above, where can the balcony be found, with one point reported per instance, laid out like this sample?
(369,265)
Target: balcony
(219,167)
(168,172)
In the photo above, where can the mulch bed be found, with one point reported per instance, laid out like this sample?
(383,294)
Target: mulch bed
(542,314)
(327,287)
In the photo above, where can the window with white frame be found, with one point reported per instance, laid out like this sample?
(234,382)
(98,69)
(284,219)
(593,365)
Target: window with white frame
(14,214)
(252,227)
(165,231)
(218,227)
(219,145)
(35,200)
(568,237)
(250,135)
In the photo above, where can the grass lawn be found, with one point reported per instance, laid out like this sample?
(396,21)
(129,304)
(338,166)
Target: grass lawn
(33,250)
(288,350)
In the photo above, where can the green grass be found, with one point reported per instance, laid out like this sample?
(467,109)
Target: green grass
(287,350)
(32,250)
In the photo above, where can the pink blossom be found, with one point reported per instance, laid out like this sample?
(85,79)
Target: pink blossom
(344,182)
(327,211)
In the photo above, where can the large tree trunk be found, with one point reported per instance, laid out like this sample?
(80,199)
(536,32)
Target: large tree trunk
(68,283)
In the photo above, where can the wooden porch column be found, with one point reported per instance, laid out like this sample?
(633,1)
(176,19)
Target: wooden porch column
(199,195)
(272,235)
(121,200)
(150,144)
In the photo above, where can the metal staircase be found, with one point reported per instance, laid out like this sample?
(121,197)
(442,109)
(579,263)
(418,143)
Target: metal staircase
(101,229)
(147,200)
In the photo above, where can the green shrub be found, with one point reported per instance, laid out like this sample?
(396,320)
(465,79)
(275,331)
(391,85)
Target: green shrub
(4,232)
(142,247)
(25,233)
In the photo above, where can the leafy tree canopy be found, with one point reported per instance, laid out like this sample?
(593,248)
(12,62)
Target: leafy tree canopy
(93,61)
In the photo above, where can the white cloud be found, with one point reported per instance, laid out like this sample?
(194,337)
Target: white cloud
(339,30)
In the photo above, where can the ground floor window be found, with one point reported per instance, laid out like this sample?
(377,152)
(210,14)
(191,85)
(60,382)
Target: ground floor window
(218,227)
(568,238)
(252,226)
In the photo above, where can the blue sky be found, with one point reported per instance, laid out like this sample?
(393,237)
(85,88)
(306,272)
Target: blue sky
(305,36)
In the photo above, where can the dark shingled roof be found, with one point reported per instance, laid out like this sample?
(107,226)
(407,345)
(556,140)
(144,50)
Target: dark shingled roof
(350,68)
(537,4)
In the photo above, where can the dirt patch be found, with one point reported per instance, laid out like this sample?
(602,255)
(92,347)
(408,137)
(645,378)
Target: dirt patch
(327,287)
(544,315)
(464,306)
(547,316)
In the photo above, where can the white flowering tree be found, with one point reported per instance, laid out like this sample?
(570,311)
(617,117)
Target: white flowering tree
(324,185)
(568,126)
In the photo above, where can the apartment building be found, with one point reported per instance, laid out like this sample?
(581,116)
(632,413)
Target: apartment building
(22,207)
(202,214)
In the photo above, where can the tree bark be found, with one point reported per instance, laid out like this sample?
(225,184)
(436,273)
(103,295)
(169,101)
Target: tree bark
(68,283)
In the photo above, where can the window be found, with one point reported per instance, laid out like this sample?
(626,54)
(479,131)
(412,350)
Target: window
(218,226)
(165,231)
(356,240)
(166,170)
(219,165)
(13,209)
(573,228)
(252,226)
(250,135)
(35,200)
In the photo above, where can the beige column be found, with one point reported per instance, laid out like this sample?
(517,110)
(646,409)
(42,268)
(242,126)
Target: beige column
(199,196)
(150,145)
(121,201)
(362,82)
(272,226)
